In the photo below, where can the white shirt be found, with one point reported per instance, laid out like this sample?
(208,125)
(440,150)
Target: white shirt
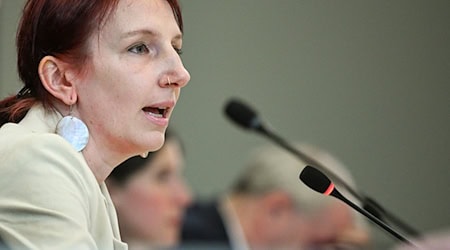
(232,225)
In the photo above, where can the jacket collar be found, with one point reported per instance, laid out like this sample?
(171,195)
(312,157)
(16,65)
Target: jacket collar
(38,119)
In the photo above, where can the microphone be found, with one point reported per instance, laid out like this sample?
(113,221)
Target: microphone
(319,182)
(245,117)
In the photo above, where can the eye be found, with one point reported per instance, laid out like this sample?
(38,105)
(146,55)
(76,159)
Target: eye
(163,175)
(139,49)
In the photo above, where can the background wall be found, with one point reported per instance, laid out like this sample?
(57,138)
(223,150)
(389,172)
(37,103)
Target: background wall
(367,80)
(9,15)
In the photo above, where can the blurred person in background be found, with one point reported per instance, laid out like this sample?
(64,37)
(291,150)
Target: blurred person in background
(150,196)
(433,240)
(268,207)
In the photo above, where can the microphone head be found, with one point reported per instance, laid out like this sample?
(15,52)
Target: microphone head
(242,115)
(316,180)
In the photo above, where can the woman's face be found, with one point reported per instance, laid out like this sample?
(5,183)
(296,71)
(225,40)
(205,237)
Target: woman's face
(124,94)
(151,204)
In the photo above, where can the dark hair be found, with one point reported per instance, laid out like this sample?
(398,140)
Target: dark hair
(59,28)
(123,171)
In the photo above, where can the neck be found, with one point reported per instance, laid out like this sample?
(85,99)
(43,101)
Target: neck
(99,163)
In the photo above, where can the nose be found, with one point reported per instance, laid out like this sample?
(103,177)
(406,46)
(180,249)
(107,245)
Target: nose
(184,195)
(177,75)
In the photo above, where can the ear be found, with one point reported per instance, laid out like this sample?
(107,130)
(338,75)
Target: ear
(52,73)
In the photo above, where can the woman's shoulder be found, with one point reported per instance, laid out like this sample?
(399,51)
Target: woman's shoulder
(22,150)
(16,138)
(49,181)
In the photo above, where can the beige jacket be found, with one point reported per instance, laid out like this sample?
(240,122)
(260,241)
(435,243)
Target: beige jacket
(49,197)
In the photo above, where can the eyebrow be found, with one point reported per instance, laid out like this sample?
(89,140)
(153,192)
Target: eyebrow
(148,33)
(138,32)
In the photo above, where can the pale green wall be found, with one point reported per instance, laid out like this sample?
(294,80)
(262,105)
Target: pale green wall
(9,15)
(368,80)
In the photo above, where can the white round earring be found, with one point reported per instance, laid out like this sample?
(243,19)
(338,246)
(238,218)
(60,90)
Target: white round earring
(73,130)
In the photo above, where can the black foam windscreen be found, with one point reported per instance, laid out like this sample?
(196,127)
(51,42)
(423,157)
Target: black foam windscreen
(242,114)
(315,179)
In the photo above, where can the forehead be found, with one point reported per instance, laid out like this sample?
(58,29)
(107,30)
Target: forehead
(142,14)
(138,7)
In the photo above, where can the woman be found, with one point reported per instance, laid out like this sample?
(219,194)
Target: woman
(150,196)
(101,80)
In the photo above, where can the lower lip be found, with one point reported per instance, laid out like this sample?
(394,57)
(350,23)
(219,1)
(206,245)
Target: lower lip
(160,121)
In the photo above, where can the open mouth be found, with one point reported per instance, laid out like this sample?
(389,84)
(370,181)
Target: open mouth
(160,112)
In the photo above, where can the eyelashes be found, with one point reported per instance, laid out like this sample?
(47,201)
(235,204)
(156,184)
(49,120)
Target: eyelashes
(143,49)
(139,49)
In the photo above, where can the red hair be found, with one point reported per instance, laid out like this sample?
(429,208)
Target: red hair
(59,28)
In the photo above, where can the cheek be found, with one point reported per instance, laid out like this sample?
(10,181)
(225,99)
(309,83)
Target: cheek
(140,208)
(143,209)
(102,95)
(106,100)
(340,217)
(146,199)
(109,80)
(292,229)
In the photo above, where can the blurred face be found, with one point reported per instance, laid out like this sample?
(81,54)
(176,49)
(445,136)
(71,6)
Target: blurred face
(336,227)
(151,204)
(132,81)
(277,223)
(331,228)
(286,231)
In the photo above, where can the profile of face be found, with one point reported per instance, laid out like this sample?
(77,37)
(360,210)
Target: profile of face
(129,86)
(336,227)
(285,227)
(269,220)
(151,203)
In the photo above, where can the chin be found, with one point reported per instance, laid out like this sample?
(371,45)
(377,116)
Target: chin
(156,141)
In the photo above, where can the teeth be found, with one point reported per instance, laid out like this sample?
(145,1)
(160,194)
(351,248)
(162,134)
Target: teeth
(159,112)
(155,115)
